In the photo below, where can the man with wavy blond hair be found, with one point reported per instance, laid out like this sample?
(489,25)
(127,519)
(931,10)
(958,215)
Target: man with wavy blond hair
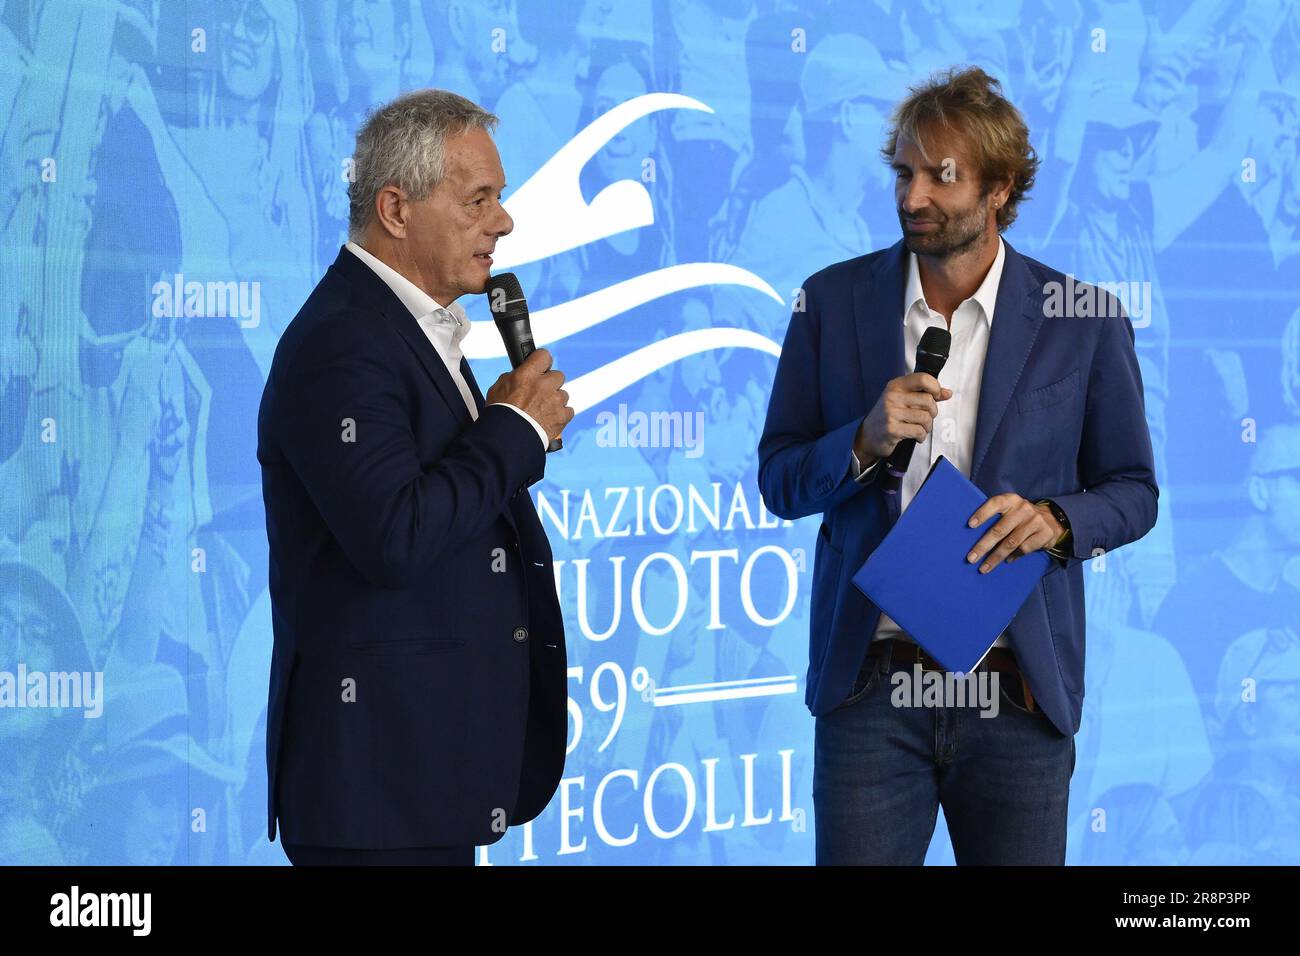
(1040,404)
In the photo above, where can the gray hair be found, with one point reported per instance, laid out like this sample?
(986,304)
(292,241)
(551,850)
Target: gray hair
(401,144)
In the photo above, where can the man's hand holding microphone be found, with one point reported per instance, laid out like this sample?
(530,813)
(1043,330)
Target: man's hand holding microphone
(535,387)
(906,408)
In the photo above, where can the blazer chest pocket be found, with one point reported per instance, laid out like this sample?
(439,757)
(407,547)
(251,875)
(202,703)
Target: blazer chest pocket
(1047,395)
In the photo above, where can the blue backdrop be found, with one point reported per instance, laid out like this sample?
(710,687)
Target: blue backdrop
(174,181)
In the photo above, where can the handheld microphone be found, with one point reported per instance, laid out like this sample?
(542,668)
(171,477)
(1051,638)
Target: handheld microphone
(931,354)
(510,312)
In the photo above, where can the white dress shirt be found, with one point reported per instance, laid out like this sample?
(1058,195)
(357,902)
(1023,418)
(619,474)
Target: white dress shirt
(953,434)
(444,326)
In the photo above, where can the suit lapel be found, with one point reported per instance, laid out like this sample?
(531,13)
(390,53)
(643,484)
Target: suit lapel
(468,374)
(377,291)
(508,513)
(878,307)
(1017,318)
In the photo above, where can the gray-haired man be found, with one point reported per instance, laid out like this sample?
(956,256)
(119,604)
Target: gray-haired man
(418,700)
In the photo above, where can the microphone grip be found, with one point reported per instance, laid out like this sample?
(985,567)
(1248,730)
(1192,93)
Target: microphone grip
(524,347)
(931,356)
(896,466)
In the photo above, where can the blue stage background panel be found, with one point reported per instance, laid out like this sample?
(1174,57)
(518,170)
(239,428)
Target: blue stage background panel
(173,182)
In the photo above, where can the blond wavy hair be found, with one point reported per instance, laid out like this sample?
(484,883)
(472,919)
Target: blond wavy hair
(969,103)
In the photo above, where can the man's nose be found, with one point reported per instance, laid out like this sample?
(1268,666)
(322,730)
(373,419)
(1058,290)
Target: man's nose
(503,225)
(915,197)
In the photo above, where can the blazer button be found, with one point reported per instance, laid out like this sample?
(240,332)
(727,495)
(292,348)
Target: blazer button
(521,634)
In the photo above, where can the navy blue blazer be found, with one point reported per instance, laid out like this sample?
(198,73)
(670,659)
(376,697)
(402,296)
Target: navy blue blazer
(1061,415)
(418,683)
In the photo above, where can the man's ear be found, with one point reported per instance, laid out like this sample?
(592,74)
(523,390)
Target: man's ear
(1002,191)
(391,211)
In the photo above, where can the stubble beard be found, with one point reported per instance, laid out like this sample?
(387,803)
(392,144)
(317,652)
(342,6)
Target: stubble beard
(953,237)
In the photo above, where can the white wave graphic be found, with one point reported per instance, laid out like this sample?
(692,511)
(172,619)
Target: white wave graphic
(549,212)
(560,321)
(593,388)
(551,217)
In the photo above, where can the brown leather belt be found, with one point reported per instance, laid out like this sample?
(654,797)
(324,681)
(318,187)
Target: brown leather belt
(997,659)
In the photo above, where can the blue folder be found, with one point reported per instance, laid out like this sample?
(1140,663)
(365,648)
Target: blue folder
(920,577)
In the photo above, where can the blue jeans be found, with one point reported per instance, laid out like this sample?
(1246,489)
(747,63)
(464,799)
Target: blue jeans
(881,772)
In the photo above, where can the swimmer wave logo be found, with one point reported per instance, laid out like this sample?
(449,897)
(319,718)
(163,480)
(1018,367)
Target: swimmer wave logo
(551,217)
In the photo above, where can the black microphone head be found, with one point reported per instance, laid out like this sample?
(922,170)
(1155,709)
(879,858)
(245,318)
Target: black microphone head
(506,296)
(932,350)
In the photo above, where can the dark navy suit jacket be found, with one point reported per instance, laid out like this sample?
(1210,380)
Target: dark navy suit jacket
(418,681)
(1061,415)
